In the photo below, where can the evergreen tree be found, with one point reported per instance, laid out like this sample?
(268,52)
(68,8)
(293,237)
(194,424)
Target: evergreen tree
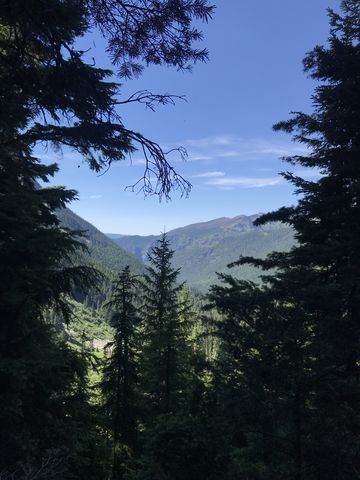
(176,438)
(304,321)
(260,379)
(50,94)
(324,269)
(38,374)
(120,382)
(164,336)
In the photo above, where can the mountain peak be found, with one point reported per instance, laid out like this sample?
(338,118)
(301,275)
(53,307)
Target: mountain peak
(202,249)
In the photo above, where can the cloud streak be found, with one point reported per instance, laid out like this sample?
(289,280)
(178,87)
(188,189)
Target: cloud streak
(94,197)
(234,147)
(213,174)
(244,182)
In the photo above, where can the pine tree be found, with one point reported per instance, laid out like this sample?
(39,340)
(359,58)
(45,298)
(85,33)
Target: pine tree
(120,383)
(260,379)
(306,316)
(324,269)
(164,337)
(37,372)
(176,439)
(50,94)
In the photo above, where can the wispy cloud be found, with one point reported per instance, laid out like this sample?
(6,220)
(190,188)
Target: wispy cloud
(228,154)
(199,157)
(244,182)
(214,141)
(235,147)
(212,174)
(137,161)
(129,162)
(94,197)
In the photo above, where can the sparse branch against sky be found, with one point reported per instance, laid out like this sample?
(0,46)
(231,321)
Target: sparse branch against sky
(254,78)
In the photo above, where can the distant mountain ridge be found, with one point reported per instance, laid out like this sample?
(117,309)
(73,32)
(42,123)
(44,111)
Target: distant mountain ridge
(202,249)
(102,249)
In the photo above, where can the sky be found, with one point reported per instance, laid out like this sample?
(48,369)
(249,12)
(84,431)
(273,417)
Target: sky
(253,79)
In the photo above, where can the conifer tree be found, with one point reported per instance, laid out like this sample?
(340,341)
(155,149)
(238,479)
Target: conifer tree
(304,321)
(260,379)
(120,383)
(164,340)
(175,441)
(51,94)
(324,269)
(37,372)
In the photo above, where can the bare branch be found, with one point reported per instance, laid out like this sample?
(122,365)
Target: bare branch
(159,178)
(151,100)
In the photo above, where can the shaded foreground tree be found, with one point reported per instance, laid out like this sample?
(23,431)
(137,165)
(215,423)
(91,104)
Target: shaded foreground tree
(38,375)
(163,368)
(50,94)
(120,384)
(175,440)
(289,357)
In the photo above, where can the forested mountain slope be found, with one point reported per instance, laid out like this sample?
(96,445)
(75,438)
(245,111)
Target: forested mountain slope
(202,249)
(102,250)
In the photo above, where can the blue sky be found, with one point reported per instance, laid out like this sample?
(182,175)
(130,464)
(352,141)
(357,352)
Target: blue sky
(253,79)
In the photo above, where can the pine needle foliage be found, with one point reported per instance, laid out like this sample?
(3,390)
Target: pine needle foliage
(120,384)
(163,335)
(290,350)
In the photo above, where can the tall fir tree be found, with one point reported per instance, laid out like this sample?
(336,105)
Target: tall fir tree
(38,374)
(175,436)
(51,95)
(120,386)
(324,269)
(164,336)
(304,321)
(261,376)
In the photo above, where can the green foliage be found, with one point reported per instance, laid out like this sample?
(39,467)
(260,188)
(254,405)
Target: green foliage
(177,447)
(175,437)
(87,322)
(120,384)
(103,252)
(38,374)
(276,394)
(164,336)
(152,388)
(288,365)
(51,96)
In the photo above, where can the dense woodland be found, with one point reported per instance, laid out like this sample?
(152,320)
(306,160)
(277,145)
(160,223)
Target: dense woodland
(255,381)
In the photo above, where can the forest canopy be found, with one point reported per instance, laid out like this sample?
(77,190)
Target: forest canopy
(258,381)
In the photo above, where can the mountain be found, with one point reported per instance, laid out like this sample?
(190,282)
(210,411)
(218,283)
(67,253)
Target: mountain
(102,249)
(202,249)
(114,235)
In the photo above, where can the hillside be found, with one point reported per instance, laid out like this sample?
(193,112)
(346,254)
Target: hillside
(102,249)
(202,249)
